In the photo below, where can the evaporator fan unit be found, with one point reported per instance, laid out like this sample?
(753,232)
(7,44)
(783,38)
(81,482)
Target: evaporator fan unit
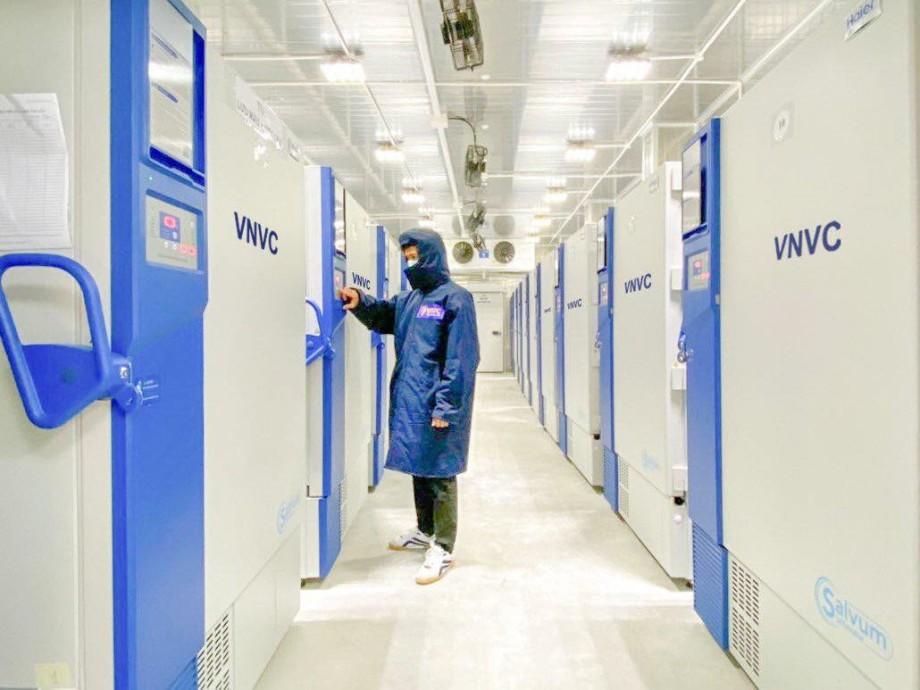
(503,252)
(477,218)
(460,30)
(475,164)
(463,252)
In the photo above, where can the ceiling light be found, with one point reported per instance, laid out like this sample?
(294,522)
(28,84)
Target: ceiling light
(542,222)
(485,77)
(485,126)
(389,153)
(556,192)
(427,224)
(340,68)
(413,195)
(628,65)
(581,145)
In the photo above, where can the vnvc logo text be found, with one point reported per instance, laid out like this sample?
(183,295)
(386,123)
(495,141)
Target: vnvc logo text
(837,610)
(256,235)
(575,304)
(638,284)
(797,242)
(361,281)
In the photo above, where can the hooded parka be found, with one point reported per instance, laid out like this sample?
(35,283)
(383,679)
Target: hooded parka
(437,353)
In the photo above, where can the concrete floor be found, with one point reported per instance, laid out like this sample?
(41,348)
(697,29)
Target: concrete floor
(550,590)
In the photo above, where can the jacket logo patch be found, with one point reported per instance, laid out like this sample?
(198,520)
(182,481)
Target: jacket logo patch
(435,312)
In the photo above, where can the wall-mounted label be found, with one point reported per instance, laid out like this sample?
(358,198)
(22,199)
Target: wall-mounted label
(638,284)
(838,611)
(575,304)
(867,12)
(360,281)
(263,238)
(808,241)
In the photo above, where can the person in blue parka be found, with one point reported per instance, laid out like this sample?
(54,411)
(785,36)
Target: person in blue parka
(431,393)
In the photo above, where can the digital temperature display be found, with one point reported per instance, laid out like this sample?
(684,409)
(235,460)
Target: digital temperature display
(172,235)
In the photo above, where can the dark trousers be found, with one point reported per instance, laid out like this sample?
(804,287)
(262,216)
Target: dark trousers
(436,507)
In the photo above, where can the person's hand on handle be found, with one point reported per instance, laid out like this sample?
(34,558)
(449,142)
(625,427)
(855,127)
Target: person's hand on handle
(439,423)
(350,297)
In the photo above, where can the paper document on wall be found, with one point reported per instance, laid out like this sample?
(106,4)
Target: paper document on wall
(33,174)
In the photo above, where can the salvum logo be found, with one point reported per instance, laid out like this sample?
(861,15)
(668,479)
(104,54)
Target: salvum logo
(837,610)
(794,243)
(360,281)
(575,304)
(638,284)
(256,235)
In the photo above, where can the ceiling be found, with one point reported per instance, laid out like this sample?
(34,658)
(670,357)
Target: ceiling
(544,72)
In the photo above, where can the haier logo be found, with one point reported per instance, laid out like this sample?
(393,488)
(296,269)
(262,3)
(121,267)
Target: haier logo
(865,15)
(256,235)
(361,281)
(576,304)
(836,610)
(794,243)
(639,284)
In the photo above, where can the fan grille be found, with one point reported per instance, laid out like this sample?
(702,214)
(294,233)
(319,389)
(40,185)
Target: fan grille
(504,252)
(463,252)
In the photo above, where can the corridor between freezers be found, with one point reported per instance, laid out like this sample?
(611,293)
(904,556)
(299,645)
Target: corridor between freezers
(551,589)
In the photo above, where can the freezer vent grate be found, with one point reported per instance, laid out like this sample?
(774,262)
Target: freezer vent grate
(623,497)
(343,506)
(215,660)
(744,633)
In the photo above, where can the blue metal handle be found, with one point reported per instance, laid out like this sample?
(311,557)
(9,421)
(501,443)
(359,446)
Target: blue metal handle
(319,346)
(57,382)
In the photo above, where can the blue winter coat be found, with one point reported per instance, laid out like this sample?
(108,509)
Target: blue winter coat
(437,353)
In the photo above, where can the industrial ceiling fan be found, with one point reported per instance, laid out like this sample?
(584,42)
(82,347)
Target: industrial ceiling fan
(461,31)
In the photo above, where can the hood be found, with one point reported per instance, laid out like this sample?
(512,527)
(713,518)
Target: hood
(431,269)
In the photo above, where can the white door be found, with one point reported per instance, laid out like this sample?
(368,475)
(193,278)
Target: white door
(490,320)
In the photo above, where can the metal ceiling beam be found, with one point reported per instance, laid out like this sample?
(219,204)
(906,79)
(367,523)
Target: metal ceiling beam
(664,101)
(493,84)
(417,18)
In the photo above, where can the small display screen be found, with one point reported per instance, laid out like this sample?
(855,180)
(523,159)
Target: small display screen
(339,279)
(602,243)
(692,206)
(698,271)
(172,82)
(171,235)
(339,220)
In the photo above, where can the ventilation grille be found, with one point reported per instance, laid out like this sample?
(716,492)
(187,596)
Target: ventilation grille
(215,660)
(744,632)
(463,252)
(343,506)
(623,492)
(504,252)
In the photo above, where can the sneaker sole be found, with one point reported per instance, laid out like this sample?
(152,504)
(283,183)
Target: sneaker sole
(393,547)
(431,581)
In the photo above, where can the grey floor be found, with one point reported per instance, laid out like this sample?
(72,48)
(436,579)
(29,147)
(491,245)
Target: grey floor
(551,589)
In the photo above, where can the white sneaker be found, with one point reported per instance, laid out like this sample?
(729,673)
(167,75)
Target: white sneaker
(413,540)
(437,563)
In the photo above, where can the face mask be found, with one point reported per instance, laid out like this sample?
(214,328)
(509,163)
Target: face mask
(411,262)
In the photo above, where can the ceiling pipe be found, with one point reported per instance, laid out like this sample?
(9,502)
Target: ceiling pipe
(664,101)
(466,84)
(417,19)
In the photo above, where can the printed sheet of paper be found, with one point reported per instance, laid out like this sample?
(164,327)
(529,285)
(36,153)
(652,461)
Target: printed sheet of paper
(34,181)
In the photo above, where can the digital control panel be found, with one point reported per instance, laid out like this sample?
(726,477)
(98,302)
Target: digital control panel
(172,235)
(698,271)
